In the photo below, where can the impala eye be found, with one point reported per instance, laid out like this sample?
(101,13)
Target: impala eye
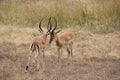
(48,33)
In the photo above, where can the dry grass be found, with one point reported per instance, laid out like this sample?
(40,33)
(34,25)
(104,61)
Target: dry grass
(88,14)
(17,35)
(101,42)
(96,56)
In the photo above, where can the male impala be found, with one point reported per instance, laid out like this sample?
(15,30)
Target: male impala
(38,45)
(62,40)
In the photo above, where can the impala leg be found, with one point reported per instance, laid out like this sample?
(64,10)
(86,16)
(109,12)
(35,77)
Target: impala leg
(68,51)
(37,62)
(71,49)
(43,51)
(29,59)
(59,53)
(37,56)
(61,50)
(71,52)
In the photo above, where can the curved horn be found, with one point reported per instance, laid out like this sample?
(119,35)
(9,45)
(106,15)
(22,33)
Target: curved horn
(55,25)
(40,25)
(49,27)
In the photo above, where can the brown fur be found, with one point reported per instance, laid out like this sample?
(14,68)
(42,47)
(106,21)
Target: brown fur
(63,39)
(38,43)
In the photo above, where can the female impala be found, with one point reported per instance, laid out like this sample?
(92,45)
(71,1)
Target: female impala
(62,40)
(38,45)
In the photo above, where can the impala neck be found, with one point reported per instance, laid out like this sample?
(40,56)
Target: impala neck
(44,36)
(58,42)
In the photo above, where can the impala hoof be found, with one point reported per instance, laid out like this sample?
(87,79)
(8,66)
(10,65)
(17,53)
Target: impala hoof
(26,69)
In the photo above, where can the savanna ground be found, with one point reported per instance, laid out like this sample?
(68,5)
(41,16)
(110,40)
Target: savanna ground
(96,57)
(96,48)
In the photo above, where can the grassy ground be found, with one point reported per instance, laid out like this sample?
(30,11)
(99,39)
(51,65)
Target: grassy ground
(96,56)
(96,47)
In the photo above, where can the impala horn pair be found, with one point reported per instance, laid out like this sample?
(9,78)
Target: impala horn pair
(49,26)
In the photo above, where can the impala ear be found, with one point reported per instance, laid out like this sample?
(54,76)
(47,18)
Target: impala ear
(57,31)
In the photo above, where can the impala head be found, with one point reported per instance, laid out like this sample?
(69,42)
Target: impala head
(48,27)
(53,33)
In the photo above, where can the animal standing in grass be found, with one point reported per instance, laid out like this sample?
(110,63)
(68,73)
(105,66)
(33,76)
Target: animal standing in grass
(65,39)
(38,45)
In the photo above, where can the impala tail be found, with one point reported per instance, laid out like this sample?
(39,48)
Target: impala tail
(33,46)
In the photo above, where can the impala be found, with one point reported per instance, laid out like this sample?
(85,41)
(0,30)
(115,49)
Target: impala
(38,45)
(62,40)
